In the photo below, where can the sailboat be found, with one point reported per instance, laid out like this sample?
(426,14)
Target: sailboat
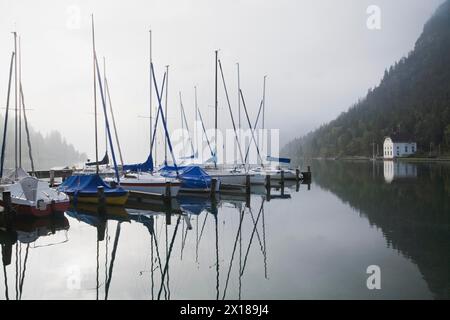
(29,196)
(227,176)
(277,168)
(141,177)
(84,187)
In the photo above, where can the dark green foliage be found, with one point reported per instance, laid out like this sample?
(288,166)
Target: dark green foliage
(413,97)
(48,151)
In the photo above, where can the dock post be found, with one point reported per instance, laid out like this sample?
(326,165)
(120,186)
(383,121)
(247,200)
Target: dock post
(247,184)
(307,174)
(268,186)
(52,178)
(7,253)
(7,201)
(6,196)
(167,194)
(247,190)
(213,188)
(101,229)
(101,200)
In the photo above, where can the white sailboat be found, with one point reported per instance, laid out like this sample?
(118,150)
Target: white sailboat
(32,197)
(29,195)
(148,182)
(141,177)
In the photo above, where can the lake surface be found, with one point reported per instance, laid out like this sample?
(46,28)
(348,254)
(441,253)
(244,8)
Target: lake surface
(312,243)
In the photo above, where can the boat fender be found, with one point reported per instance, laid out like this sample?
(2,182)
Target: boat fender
(41,205)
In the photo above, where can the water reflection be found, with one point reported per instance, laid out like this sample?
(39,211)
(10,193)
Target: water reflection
(169,230)
(411,206)
(399,170)
(17,236)
(301,242)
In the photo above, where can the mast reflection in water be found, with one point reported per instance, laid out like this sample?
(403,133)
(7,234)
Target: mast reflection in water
(305,242)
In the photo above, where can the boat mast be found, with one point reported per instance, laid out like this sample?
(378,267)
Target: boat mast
(196,121)
(5,127)
(20,106)
(108,96)
(95,94)
(215,114)
(150,106)
(165,111)
(239,97)
(182,125)
(16,106)
(30,153)
(104,94)
(239,102)
(263,112)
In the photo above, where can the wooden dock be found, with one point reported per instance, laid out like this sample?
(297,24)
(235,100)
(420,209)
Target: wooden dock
(303,177)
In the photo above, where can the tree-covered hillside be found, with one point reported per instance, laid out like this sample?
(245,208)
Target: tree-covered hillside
(48,151)
(413,99)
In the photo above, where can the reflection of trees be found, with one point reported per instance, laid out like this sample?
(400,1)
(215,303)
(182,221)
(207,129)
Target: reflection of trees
(412,214)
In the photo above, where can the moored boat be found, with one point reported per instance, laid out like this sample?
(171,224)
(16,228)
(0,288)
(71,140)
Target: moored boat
(33,197)
(193,178)
(148,182)
(84,188)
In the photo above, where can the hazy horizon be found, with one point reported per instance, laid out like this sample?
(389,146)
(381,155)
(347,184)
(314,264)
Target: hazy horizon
(319,58)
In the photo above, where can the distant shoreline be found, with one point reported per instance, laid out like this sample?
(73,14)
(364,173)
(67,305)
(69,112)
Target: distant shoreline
(362,158)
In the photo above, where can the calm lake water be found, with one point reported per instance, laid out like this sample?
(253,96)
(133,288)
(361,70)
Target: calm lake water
(311,243)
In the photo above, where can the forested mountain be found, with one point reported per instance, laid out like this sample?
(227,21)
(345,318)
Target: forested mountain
(413,99)
(48,151)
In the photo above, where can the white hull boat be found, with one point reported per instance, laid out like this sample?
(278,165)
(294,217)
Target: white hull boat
(274,173)
(33,197)
(149,183)
(228,176)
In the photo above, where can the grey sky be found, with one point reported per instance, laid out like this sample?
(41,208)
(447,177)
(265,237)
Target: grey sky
(319,57)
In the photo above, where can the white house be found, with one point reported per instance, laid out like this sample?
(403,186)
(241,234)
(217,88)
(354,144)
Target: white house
(396,147)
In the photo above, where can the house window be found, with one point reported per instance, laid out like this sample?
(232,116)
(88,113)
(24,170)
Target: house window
(413,149)
(406,149)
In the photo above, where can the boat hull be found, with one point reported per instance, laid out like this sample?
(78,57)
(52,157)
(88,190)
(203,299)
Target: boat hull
(50,209)
(93,199)
(288,175)
(158,188)
(259,179)
(228,178)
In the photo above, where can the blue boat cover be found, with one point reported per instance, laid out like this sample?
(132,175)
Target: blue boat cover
(192,177)
(140,167)
(280,160)
(86,218)
(194,205)
(87,184)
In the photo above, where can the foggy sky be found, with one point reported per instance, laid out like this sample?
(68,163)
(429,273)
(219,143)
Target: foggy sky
(319,57)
